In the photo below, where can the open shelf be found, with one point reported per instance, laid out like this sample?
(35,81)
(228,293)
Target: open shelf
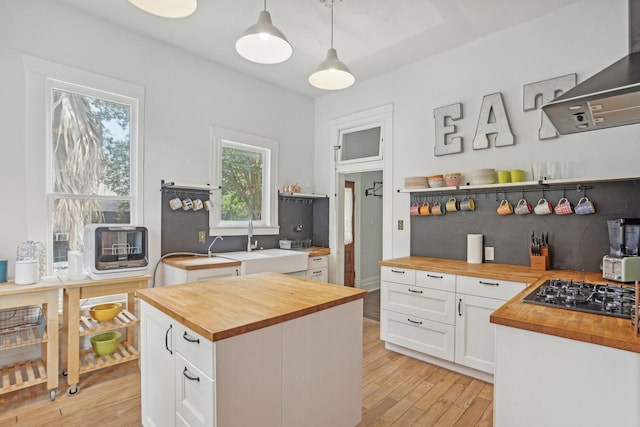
(89,361)
(90,326)
(21,375)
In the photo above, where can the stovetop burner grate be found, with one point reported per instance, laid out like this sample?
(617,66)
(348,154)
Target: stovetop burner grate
(610,300)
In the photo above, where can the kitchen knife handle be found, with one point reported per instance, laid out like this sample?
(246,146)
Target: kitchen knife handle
(459,304)
(414,321)
(434,276)
(188,338)
(166,339)
(489,283)
(414,291)
(189,377)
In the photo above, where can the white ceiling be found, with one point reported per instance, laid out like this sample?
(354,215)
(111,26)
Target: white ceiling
(371,36)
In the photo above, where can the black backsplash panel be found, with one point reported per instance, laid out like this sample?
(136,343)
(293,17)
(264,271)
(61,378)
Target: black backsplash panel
(577,242)
(180,228)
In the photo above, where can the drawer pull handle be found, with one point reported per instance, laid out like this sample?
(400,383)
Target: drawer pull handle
(317,259)
(414,291)
(188,338)
(414,321)
(397,271)
(489,283)
(189,377)
(166,339)
(316,272)
(434,276)
(459,304)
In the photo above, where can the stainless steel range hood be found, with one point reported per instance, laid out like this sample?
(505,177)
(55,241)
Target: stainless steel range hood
(607,99)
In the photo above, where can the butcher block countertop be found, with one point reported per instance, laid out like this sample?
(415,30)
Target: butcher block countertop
(226,307)
(200,262)
(592,328)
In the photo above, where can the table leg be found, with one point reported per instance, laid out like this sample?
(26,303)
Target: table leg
(72,306)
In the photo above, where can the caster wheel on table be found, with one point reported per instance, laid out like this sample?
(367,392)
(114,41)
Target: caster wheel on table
(73,390)
(52,395)
(64,373)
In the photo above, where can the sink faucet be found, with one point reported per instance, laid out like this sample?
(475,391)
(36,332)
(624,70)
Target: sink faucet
(250,236)
(211,245)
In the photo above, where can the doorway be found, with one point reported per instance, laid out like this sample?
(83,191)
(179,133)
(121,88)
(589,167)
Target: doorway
(349,235)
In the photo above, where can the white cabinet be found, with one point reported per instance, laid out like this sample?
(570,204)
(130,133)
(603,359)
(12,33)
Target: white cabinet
(476,299)
(317,269)
(157,367)
(418,311)
(175,275)
(282,375)
(443,316)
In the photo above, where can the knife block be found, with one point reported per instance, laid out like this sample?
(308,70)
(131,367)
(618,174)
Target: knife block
(540,262)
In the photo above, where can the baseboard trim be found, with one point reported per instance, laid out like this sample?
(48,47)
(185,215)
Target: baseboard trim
(369,284)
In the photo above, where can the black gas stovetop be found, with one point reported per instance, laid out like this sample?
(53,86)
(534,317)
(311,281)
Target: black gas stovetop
(607,299)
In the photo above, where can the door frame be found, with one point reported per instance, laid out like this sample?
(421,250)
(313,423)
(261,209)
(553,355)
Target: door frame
(381,116)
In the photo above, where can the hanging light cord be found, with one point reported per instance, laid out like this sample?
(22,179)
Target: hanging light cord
(265,5)
(331,24)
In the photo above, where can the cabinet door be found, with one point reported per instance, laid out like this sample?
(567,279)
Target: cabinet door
(489,288)
(212,273)
(475,335)
(156,355)
(415,333)
(319,274)
(195,394)
(425,303)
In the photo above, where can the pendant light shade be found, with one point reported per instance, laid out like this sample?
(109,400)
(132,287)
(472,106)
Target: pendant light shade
(332,74)
(167,8)
(263,43)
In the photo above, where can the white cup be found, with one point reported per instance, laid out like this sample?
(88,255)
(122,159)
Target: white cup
(197,204)
(75,265)
(27,272)
(175,203)
(187,204)
(208,205)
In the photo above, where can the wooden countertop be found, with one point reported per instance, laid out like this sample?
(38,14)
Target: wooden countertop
(222,308)
(318,251)
(53,282)
(592,328)
(200,262)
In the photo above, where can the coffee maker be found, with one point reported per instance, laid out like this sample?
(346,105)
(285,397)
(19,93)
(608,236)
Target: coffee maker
(621,264)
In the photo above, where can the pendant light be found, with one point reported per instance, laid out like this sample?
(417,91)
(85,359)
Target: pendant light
(263,43)
(332,74)
(167,8)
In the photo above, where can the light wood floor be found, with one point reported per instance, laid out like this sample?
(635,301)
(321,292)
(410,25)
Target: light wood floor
(396,391)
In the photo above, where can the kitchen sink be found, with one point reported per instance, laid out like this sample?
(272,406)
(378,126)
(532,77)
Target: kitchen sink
(269,260)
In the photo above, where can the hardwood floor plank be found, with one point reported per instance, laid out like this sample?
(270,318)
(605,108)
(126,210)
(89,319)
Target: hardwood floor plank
(397,391)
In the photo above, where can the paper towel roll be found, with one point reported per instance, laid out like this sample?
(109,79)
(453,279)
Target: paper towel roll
(76,265)
(474,248)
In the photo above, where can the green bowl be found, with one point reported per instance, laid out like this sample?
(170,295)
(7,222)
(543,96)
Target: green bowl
(106,343)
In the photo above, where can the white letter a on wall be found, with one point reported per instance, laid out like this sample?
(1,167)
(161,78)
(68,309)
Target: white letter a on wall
(492,123)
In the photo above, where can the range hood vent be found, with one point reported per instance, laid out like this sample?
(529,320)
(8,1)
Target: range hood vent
(607,99)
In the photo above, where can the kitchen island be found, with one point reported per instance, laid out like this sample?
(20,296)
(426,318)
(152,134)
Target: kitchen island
(264,349)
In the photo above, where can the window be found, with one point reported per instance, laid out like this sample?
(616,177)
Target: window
(91,151)
(245,168)
(360,144)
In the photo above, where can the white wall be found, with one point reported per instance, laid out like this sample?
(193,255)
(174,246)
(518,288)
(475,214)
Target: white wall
(185,95)
(582,39)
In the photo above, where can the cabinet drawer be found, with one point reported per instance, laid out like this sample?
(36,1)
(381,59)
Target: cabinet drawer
(316,262)
(195,394)
(319,274)
(211,273)
(430,304)
(490,288)
(433,280)
(195,348)
(398,275)
(415,333)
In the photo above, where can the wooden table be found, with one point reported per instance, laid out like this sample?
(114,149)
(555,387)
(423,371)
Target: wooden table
(77,361)
(37,371)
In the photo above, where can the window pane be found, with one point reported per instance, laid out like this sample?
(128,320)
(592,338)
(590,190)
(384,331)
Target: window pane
(242,175)
(91,144)
(360,144)
(71,215)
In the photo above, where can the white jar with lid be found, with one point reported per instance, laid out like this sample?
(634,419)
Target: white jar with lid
(27,272)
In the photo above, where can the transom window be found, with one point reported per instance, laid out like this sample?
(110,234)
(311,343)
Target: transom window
(244,168)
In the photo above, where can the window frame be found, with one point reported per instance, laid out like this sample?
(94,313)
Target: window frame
(359,128)
(268,225)
(41,75)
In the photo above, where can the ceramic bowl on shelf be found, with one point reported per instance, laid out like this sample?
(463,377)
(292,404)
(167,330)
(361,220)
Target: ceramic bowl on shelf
(452,179)
(416,182)
(106,343)
(105,312)
(436,181)
(482,177)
